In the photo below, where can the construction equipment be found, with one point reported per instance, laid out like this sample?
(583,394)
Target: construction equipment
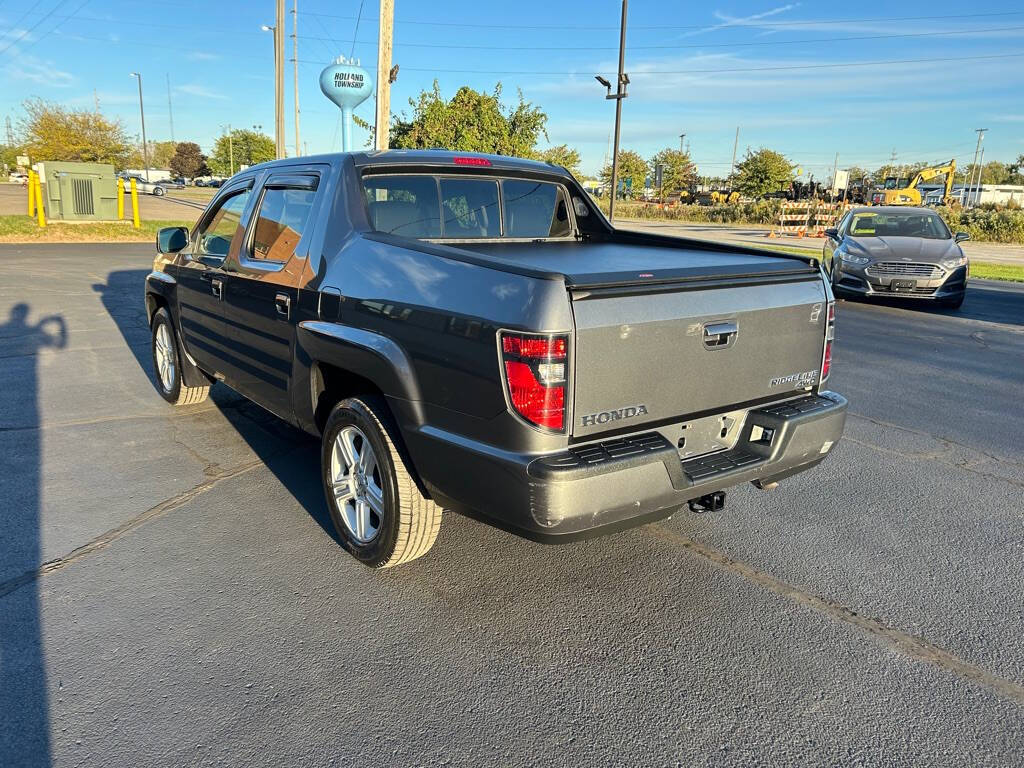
(909,195)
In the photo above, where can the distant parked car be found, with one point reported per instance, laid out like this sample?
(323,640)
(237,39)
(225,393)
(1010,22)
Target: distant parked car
(18,178)
(158,188)
(896,251)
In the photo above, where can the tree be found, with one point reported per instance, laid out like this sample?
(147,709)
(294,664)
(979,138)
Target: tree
(679,173)
(1016,169)
(188,161)
(632,167)
(240,147)
(762,172)
(472,121)
(158,156)
(564,156)
(53,132)
(857,174)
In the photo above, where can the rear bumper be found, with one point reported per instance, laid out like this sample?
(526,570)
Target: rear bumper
(605,486)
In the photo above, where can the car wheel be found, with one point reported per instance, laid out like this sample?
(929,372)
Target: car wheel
(376,506)
(167,364)
(159,191)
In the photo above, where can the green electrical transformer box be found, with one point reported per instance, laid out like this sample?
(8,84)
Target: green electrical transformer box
(79,191)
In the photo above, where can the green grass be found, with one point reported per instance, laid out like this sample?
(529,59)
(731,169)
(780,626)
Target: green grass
(990,271)
(22,229)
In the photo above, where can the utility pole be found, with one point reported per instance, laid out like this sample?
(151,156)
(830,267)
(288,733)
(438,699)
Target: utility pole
(681,137)
(170,108)
(10,131)
(975,168)
(295,70)
(619,95)
(279,79)
(384,47)
(835,170)
(735,145)
(142,116)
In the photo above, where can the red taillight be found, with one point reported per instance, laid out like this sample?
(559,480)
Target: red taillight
(471,161)
(826,363)
(535,373)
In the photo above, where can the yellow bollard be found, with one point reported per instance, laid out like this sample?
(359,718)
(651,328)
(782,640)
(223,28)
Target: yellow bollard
(39,202)
(135,205)
(31,192)
(120,198)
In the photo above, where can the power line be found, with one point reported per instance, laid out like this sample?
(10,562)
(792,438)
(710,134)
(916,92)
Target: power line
(814,41)
(716,70)
(34,26)
(563,27)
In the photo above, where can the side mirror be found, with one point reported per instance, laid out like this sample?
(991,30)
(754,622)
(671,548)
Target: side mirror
(961,236)
(171,239)
(832,232)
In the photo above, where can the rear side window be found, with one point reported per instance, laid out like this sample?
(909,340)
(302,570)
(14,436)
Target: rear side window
(282,218)
(403,205)
(470,208)
(534,209)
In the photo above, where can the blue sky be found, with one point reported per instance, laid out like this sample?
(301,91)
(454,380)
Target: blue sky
(698,68)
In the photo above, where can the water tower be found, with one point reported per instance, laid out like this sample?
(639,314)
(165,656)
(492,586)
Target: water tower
(348,85)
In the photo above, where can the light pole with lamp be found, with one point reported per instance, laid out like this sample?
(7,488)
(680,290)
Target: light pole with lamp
(619,95)
(142,115)
(278,90)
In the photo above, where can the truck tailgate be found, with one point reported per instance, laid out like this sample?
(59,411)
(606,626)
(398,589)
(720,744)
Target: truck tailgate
(653,353)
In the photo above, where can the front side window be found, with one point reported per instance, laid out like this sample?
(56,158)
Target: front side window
(220,229)
(282,218)
(469,208)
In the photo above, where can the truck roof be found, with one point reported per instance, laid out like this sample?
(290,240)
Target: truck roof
(424,157)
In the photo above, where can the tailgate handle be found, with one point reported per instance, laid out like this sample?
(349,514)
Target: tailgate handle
(720,335)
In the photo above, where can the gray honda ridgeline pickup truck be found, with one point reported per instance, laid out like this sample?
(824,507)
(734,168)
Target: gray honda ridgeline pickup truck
(468,332)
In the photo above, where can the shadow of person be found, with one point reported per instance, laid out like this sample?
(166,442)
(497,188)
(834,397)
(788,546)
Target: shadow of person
(24,701)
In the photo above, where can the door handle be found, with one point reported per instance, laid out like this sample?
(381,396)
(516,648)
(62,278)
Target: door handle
(217,287)
(283,304)
(719,335)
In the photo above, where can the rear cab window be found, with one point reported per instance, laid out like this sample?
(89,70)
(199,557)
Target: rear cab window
(454,207)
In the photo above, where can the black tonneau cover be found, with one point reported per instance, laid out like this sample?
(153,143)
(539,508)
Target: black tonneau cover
(599,264)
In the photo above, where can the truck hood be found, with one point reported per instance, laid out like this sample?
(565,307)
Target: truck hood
(910,248)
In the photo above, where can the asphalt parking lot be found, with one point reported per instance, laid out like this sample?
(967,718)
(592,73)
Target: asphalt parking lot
(171,592)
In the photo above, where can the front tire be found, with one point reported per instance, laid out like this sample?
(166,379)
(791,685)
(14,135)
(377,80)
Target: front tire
(375,504)
(954,303)
(167,364)
(159,191)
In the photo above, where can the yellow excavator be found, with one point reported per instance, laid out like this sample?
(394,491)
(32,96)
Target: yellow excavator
(893,194)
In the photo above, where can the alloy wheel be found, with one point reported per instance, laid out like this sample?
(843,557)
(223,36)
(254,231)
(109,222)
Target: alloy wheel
(356,484)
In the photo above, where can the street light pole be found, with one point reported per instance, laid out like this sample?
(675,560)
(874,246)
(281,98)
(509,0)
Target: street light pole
(619,95)
(295,70)
(142,116)
(681,137)
(277,29)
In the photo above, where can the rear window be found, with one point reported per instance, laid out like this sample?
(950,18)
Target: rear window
(449,207)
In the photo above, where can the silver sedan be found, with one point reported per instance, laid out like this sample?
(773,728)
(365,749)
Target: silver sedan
(896,251)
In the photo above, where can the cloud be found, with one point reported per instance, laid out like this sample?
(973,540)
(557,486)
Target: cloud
(202,56)
(30,69)
(744,21)
(201,91)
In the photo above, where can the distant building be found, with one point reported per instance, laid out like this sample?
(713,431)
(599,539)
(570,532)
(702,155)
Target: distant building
(999,194)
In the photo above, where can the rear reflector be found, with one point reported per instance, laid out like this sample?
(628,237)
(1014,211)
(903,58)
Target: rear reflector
(472,161)
(535,377)
(830,334)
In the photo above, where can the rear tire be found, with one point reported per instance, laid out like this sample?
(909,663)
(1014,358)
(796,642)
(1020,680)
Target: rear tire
(167,363)
(159,191)
(375,504)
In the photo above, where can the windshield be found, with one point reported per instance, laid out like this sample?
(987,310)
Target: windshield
(465,207)
(916,224)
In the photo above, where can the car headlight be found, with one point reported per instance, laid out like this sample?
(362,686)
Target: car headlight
(956,261)
(851,259)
